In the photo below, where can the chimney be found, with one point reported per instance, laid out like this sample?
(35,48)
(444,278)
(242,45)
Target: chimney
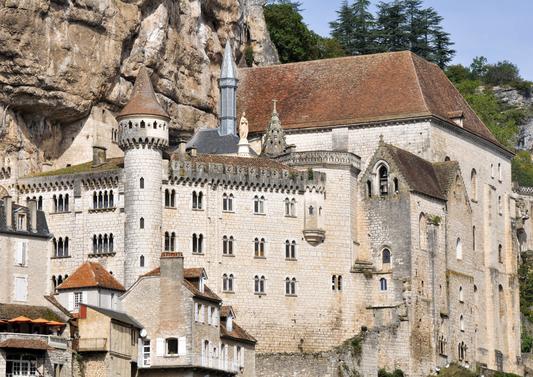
(181,147)
(171,265)
(32,205)
(8,207)
(99,155)
(193,151)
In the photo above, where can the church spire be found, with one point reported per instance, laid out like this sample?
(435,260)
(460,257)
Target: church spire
(274,143)
(228,93)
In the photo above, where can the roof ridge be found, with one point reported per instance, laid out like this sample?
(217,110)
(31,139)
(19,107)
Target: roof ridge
(326,60)
(415,69)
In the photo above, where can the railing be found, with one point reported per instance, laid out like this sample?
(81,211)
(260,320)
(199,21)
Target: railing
(52,340)
(198,360)
(92,344)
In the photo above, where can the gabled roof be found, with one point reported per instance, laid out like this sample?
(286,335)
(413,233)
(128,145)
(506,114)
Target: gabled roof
(237,333)
(42,224)
(353,90)
(142,99)
(9,311)
(91,275)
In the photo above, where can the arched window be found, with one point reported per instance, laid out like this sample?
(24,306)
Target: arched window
(100,244)
(474,238)
(473,183)
(54,198)
(54,281)
(290,286)
(200,200)
(396,185)
(141,223)
(230,283)
(259,284)
(54,242)
(500,253)
(173,241)
(311,210)
(293,207)
(141,183)
(60,205)
(459,249)
(423,232)
(167,198)
(106,199)
(141,261)
(95,244)
(40,203)
(95,200)
(492,170)
(100,200)
(369,188)
(334,282)
(462,323)
(259,247)
(227,245)
(461,294)
(106,244)
(259,204)
(197,200)
(383,284)
(167,241)
(499,171)
(500,207)
(290,249)
(225,282)
(287,207)
(501,301)
(339,283)
(111,243)
(383,174)
(227,202)
(59,280)
(385,257)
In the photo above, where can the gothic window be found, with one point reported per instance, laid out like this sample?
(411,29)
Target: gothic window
(54,198)
(259,248)
(311,210)
(383,174)
(95,244)
(167,198)
(383,284)
(369,188)
(227,202)
(170,198)
(500,209)
(60,206)
(141,183)
(197,199)
(40,203)
(141,261)
(334,282)
(259,284)
(197,243)
(442,345)
(461,323)
(501,301)
(290,249)
(227,282)
(167,241)
(500,253)
(143,125)
(54,281)
(339,283)
(385,257)
(287,207)
(499,171)
(141,223)
(461,351)
(173,241)
(290,286)
(492,170)
(473,183)
(259,205)
(227,245)
(459,249)
(461,294)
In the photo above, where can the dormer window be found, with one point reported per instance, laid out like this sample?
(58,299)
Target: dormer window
(383,180)
(457,117)
(21,221)
(229,323)
(201,284)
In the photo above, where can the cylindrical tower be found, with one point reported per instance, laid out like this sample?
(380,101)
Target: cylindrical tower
(143,134)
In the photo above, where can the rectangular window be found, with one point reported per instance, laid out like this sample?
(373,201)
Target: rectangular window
(209,315)
(172,346)
(145,357)
(21,221)
(78,299)
(21,288)
(20,253)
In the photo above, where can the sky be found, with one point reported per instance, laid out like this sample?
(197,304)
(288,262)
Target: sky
(497,29)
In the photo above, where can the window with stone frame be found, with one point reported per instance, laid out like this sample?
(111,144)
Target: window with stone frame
(473,184)
(259,284)
(170,198)
(227,245)
(61,246)
(385,258)
(227,282)
(290,249)
(259,205)
(383,175)
(383,284)
(197,200)
(259,248)
(459,249)
(197,243)
(170,241)
(171,346)
(290,286)
(103,199)
(227,202)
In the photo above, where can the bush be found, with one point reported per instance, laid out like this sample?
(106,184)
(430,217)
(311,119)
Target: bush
(397,373)
(527,342)
(501,73)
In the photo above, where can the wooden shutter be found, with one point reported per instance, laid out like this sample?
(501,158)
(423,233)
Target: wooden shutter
(21,288)
(182,346)
(18,254)
(24,253)
(160,347)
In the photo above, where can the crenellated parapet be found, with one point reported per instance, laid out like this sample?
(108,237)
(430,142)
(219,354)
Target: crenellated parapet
(321,159)
(253,173)
(143,132)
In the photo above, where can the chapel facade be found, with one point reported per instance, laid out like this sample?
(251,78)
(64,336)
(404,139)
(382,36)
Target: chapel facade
(369,199)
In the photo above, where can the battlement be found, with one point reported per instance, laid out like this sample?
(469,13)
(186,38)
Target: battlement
(143,131)
(250,172)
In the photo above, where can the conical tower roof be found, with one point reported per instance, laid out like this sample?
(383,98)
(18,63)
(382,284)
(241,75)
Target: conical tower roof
(228,70)
(143,100)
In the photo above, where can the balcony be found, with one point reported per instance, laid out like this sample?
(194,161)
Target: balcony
(314,236)
(198,361)
(35,341)
(92,344)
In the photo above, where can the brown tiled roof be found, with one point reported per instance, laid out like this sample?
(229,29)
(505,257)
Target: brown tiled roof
(91,274)
(188,273)
(10,311)
(419,173)
(207,294)
(33,344)
(446,172)
(225,310)
(257,162)
(238,333)
(143,100)
(352,90)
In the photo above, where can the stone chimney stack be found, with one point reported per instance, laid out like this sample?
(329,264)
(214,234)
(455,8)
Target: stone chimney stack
(8,205)
(171,266)
(99,155)
(32,205)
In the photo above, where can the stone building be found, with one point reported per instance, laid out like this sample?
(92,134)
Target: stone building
(370,187)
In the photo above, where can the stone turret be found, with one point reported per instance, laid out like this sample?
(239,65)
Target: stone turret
(274,142)
(228,93)
(143,134)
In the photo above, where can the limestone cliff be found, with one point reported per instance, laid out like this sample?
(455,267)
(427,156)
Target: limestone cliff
(67,65)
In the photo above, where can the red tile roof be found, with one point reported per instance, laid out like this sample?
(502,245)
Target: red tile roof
(142,99)
(237,333)
(188,273)
(89,275)
(352,90)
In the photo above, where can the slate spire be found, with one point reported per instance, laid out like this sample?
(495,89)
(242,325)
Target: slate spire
(274,143)
(228,93)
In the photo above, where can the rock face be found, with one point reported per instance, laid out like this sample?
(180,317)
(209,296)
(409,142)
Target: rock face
(61,59)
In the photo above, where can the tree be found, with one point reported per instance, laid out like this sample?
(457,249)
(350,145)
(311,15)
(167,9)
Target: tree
(501,73)
(293,40)
(479,67)
(342,29)
(392,30)
(364,41)
(442,52)
(458,73)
